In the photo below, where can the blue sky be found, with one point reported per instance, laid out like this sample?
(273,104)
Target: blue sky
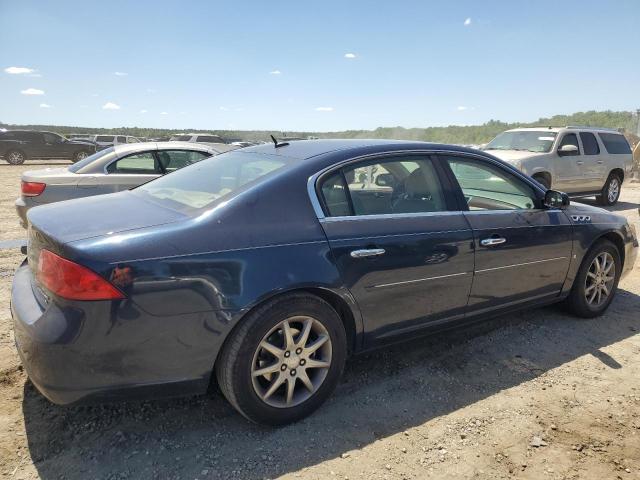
(282,65)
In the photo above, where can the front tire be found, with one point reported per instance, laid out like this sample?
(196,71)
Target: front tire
(611,191)
(15,157)
(596,283)
(81,155)
(284,359)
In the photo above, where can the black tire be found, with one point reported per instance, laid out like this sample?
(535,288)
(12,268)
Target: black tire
(611,191)
(15,157)
(236,360)
(81,155)
(577,300)
(543,180)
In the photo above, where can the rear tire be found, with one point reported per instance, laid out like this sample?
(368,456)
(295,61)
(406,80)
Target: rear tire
(81,155)
(611,191)
(15,157)
(584,300)
(297,379)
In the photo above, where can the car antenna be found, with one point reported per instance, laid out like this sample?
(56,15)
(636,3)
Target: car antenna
(276,144)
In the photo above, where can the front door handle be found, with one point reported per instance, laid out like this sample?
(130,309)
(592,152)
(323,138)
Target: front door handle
(579,162)
(490,242)
(367,252)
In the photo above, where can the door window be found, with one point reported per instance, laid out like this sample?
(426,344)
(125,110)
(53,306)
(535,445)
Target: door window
(589,143)
(487,187)
(140,163)
(615,143)
(105,138)
(121,139)
(52,138)
(570,139)
(394,186)
(172,160)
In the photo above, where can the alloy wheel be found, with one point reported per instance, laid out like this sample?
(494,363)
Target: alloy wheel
(614,190)
(600,279)
(15,158)
(291,362)
(81,156)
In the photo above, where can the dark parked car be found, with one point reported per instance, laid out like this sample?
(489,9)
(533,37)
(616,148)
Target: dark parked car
(266,267)
(16,146)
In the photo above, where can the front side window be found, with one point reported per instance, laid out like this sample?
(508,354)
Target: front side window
(121,139)
(52,138)
(140,164)
(615,143)
(488,187)
(132,140)
(172,160)
(589,143)
(569,139)
(523,140)
(391,186)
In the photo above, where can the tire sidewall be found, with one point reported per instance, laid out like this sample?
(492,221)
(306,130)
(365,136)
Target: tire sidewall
(247,399)
(77,154)
(12,162)
(605,190)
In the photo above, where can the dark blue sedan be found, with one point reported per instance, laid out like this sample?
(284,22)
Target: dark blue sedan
(265,268)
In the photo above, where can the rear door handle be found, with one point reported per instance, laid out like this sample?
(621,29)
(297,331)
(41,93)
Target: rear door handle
(490,242)
(600,162)
(579,162)
(367,252)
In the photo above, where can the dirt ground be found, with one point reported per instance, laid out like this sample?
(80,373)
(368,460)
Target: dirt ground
(535,395)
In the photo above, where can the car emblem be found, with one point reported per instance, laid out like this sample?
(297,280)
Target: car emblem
(581,218)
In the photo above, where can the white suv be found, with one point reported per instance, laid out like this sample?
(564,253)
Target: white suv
(582,161)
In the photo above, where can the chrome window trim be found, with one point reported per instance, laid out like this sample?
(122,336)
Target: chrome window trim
(317,206)
(382,216)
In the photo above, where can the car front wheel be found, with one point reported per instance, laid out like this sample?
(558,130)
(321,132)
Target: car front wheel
(597,281)
(611,191)
(284,359)
(80,156)
(15,157)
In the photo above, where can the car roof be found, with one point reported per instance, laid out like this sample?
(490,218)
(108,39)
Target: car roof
(559,129)
(133,147)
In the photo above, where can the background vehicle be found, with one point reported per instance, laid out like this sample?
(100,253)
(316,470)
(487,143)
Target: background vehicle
(16,146)
(104,141)
(267,266)
(197,138)
(110,170)
(582,161)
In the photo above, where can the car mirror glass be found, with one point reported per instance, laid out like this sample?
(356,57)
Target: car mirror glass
(555,199)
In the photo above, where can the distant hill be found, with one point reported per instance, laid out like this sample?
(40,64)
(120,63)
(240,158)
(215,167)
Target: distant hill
(471,134)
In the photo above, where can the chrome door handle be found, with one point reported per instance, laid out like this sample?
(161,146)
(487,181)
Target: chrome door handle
(579,162)
(490,242)
(368,252)
(600,162)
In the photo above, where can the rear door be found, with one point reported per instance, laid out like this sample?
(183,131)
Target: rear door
(523,250)
(403,251)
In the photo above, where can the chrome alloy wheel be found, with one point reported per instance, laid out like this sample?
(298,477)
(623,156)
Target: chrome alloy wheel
(81,156)
(600,278)
(614,190)
(291,362)
(15,158)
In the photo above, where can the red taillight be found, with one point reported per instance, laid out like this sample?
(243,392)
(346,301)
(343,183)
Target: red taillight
(32,189)
(72,281)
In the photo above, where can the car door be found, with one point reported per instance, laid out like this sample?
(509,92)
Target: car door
(34,145)
(569,165)
(403,251)
(124,173)
(175,159)
(594,168)
(55,146)
(522,250)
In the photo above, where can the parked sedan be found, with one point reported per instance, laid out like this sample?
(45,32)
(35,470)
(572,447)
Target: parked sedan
(111,170)
(266,267)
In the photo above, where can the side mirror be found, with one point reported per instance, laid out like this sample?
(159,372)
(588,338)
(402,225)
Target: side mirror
(555,199)
(385,180)
(568,150)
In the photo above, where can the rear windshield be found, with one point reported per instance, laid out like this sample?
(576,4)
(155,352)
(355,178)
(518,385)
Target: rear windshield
(615,143)
(76,167)
(200,186)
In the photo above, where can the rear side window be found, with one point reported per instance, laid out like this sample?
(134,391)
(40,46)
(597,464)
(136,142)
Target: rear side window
(141,164)
(122,139)
(615,143)
(172,160)
(589,143)
(391,186)
(105,138)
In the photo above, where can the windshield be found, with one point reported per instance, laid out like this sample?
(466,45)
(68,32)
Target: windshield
(199,186)
(76,167)
(525,140)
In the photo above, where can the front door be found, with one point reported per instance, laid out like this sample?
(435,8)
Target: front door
(523,250)
(594,166)
(402,250)
(569,166)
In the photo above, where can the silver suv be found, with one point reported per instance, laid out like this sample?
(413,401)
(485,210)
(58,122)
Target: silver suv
(582,161)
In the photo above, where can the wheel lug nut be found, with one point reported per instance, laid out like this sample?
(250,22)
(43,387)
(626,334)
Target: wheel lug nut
(303,361)
(283,367)
(298,351)
(293,372)
(287,354)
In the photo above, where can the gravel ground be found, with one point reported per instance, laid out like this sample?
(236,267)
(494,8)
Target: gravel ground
(536,395)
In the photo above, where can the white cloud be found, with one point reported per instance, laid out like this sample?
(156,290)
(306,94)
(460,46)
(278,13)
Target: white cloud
(324,109)
(45,105)
(275,72)
(462,108)
(164,113)
(32,91)
(143,111)
(467,22)
(349,55)
(111,106)
(18,70)
(120,74)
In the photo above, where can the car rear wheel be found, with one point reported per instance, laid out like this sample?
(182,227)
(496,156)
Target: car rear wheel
(597,281)
(610,191)
(15,157)
(284,359)
(80,156)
